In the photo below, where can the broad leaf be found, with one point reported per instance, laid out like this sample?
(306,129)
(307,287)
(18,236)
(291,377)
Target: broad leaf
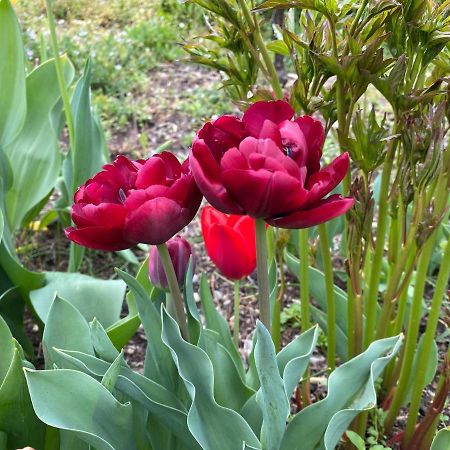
(13,105)
(442,440)
(351,390)
(212,425)
(293,360)
(74,401)
(17,418)
(34,153)
(271,396)
(66,328)
(93,297)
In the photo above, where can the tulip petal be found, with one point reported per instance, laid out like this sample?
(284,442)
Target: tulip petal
(206,173)
(105,214)
(157,220)
(323,182)
(315,136)
(225,132)
(229,252)
(259,112)
(262,193)
(325,210)
(152,172)
(99,238)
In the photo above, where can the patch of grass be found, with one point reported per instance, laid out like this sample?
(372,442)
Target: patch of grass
(126,39)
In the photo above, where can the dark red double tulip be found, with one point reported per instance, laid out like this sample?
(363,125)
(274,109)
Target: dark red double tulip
(131,202)
(267,165)
(230,242)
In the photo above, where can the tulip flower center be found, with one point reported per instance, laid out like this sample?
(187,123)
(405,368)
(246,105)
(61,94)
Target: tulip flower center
(288,151)
(122,195)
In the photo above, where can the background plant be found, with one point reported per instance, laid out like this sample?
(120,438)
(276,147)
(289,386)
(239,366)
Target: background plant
(340,52)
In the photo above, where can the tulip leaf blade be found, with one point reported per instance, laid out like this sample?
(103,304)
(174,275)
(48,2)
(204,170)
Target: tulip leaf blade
(17,418)
(230,389)
(216,322)
(212,425)
(34,153)
(103,346)
(194,321)
(162,404)
(271,396)
(159,365)
(66,328)
(442,440)
(328,419)
(13,103)
(73,401)
(294,358)
(105,297)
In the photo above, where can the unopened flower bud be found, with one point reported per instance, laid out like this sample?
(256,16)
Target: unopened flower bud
(180,252)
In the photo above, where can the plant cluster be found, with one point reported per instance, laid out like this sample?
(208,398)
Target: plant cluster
(380,206)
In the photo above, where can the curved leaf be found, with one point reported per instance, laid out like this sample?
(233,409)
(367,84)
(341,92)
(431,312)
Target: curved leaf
(213,426)
(294,358)
(74,401)
(350,390)
(92,297)
(13,104)
(442,440)
(271,396)
(65,328)
(34,153)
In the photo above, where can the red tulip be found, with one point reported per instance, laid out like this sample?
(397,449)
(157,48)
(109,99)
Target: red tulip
(180,252)
(230,242)
(267,165)
(131,202)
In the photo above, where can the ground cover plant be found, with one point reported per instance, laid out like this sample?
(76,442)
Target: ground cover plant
(338,204)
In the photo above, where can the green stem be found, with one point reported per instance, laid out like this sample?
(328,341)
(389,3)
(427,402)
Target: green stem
(329,285)
(412,333)
(236,313)
(60,75)
(375,267)
(304,278)
(263,273)
(254,27)
(176,297)
(433,318)
(276,316)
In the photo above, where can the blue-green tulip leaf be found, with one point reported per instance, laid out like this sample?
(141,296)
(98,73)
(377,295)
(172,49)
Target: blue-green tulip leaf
(13,105)
(75,402)
(351,390)
(93,297)
(293,359)
(66,328)
(212,425)
(271,396)
(216,322)
(34,153)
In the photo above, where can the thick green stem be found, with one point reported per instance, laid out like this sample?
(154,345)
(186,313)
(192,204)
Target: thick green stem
(427,345)
(412,333)
(329,286)
(263,273)
(375,268)
(304,279)
(176,297)
(236,313)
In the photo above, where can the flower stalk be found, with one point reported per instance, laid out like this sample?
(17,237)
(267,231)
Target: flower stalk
(236,305)
(329,286)
(176,302)
(263,273)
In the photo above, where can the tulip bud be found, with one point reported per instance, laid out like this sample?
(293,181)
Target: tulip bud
(180,252)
